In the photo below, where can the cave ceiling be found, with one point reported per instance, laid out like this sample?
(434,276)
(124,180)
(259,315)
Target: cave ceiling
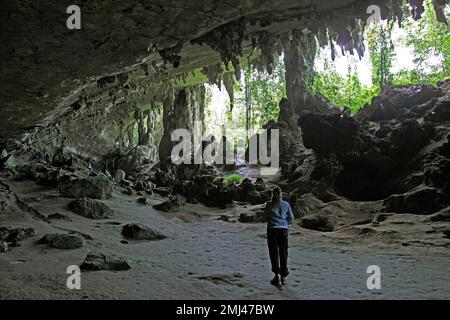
(46,68)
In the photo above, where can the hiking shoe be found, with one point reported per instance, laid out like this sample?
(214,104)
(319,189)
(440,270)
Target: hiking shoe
(275,281)
(283,281)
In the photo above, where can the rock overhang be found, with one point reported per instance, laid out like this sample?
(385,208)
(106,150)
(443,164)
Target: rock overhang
(48,70)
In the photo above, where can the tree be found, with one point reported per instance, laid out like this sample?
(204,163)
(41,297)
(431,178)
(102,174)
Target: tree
(430,41)
(343,91)
(381,50)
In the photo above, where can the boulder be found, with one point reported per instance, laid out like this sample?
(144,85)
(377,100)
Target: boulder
(171,205)
(120,175)
(139,231)
(4,207)
(257,217)
(260,185)
(91,209)
(316,222)
(98,261)
(246,192)
(62,241)
(15,235)
(304,204)
(218,195)
(143,183)
(421,200)
(3,247)
(91,187)
(163,179)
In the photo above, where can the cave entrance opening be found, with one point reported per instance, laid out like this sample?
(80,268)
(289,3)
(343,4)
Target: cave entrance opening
(242,108)
(147,128)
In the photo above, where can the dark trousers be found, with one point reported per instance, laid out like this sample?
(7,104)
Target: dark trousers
(277,240)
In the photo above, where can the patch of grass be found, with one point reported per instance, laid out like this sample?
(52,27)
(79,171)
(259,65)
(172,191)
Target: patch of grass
(232,179)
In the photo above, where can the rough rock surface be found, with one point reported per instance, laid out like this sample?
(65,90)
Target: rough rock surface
(3,247)
(91,187)
(141,232)
(91,209)
(62,241)
(316,222)
(98,261)
(15,235)
(397,155)
(171,205)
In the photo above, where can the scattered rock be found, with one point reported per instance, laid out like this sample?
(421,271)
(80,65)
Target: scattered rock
(225,218)
(97,262)
(163,191)
(91,187)
(316,222)
(247,192)
(142,200)
(141,232)
(4,207)
(171,205)
(422,200)
(129,191)
(15,235)
(62,241)
(257,217)
(260,185)
(306,203)
(91,209)
(10,163)
(3,247)
(120,175)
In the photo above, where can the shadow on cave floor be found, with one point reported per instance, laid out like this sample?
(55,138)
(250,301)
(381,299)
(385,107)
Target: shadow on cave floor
(205,257)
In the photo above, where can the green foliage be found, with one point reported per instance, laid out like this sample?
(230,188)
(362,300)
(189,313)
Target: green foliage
(232,179)
(347,92)
(381,50)
(430,41)
(263,96)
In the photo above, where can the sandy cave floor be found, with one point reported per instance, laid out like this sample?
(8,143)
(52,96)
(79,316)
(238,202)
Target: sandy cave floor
(206,258)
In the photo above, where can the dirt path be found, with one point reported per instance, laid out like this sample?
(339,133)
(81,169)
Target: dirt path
(205,258)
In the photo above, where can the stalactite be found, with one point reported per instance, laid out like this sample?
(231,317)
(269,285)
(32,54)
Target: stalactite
(228,82)
(227,41)
(300,49)
(247,106)
(214,74)
(130,131)
(141,129)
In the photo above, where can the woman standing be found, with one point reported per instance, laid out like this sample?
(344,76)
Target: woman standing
(279,216)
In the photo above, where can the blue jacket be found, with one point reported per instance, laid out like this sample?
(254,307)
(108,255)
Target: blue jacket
(279,216)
